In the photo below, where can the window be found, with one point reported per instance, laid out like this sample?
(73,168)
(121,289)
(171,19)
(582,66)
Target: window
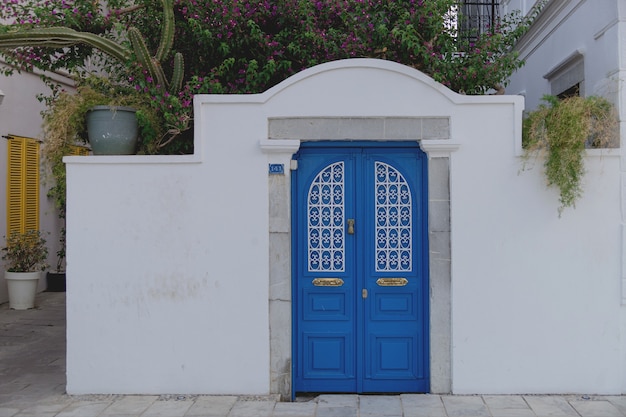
(22,184)
(573,91)
(477,17)
(567,79)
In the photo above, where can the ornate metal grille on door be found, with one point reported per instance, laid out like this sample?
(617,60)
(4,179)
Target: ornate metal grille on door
(326,220)
(393,220)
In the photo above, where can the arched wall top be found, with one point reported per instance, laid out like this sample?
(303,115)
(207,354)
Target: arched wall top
(350,64)
(363,63)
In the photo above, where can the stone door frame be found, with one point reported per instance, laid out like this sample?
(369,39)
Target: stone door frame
(284,138)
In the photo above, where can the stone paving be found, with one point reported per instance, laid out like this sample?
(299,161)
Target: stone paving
(32,384)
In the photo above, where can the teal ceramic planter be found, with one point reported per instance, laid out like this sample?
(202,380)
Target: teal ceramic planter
(112,130)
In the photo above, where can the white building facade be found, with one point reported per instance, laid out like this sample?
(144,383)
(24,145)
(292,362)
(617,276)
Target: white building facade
(20,115)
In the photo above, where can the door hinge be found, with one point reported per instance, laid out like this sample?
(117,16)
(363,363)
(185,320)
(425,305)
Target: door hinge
(364,292)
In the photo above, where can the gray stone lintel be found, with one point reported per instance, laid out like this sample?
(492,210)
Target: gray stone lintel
(359,128)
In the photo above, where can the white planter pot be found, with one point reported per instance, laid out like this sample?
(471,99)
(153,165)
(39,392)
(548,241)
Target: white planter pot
(22,289)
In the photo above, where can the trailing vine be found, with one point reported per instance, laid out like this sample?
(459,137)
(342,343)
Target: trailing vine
(561,130)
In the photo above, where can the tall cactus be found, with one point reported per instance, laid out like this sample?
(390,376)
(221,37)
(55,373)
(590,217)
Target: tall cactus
(61,37)
(167,31)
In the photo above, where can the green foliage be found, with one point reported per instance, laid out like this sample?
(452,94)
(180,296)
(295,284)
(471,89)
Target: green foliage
(133,60)
(561,130)
(64,124)
(248,46)
(61,251)
(25,252)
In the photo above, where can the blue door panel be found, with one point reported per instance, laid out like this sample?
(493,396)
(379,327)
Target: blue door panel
(324,305)
(329,355)
(360,270)
(392,356)
(329,359)
(393,306)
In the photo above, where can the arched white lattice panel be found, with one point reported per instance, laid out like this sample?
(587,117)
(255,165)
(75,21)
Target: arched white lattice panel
(393,221)
(326,212)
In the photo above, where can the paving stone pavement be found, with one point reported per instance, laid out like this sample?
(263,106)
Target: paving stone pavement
(32,384)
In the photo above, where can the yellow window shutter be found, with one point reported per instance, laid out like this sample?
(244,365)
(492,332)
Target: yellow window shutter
(22,185)
(14,186)
(76,150)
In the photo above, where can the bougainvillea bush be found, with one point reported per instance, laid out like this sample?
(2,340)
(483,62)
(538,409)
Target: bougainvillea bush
(247,46)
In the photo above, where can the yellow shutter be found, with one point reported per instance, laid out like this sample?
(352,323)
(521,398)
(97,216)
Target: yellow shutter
(22,185)
(14,186)
(78,150)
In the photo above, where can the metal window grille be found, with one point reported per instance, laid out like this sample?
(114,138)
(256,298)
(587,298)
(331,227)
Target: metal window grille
(477,17)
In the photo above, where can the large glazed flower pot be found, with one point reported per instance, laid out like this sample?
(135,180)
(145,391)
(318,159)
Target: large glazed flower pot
(112,130)
(22,289)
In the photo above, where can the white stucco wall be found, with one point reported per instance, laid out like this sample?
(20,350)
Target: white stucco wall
(592,32)
(536,298)
(168,270)
(167,287)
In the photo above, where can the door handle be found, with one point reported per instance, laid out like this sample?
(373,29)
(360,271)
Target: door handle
(350,226)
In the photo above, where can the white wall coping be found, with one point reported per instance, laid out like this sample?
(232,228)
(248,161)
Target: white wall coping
(604,152)
(133,159)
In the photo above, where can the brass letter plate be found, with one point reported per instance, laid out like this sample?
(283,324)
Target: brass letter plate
(328,282)
(392,282)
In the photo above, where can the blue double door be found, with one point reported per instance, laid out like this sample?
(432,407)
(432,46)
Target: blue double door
(360,266)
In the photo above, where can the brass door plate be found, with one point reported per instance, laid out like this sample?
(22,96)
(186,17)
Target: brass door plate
(392,282)
(328,282)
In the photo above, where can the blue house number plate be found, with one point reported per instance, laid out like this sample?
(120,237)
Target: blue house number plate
(277,169)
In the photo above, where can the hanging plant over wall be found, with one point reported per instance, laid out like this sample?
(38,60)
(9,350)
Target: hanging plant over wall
(561,130)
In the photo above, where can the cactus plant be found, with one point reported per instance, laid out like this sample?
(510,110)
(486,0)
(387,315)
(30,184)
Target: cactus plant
(61,37)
